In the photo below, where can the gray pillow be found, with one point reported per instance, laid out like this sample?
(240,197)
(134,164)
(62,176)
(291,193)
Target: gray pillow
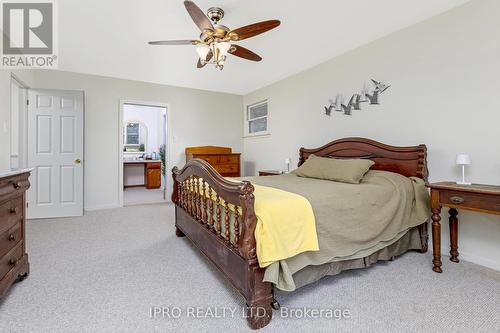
(341,170)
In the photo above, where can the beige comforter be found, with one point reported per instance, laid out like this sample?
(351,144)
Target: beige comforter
(352,220)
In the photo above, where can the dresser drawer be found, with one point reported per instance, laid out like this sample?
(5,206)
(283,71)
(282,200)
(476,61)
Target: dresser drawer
(10,238)
(153,165)
(211,159)
(11,187)
(470,200)
(230,159)
(11,259)
(10,213)
(227,168)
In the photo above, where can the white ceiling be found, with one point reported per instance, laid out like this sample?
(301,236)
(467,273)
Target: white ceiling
(109,37)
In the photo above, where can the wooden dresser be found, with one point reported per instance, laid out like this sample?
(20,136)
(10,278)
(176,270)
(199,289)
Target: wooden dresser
(13,258)
(222,159)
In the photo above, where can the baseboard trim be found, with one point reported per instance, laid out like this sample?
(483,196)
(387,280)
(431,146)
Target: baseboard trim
(478,260)
(473,258)
(101,207)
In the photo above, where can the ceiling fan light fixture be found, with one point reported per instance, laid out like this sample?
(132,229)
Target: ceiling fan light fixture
(216,40)
(223,48)
(202,51)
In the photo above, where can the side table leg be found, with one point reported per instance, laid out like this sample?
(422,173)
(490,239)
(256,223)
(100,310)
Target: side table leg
(453,234)
(436,240)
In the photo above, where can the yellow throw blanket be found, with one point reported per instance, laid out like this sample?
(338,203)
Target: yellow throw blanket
(285,225)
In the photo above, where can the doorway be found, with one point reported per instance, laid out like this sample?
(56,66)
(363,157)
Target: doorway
(143,153)
(18,113)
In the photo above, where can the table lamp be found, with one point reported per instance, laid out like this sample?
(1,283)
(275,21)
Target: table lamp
(288,161)
(463,160)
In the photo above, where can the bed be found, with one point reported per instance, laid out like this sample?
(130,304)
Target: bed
(218,216)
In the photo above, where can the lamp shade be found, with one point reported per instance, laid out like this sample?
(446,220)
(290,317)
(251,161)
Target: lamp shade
(223,48)
(202,51)
(463,159)
(288,160)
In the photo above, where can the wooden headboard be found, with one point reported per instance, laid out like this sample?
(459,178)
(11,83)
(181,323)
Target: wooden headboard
(408,161)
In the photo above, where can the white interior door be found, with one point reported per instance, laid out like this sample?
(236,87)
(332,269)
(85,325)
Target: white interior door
(55,152)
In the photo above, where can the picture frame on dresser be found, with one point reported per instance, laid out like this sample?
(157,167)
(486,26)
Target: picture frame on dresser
(14,265)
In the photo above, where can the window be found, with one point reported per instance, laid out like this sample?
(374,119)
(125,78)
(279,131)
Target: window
(256,119)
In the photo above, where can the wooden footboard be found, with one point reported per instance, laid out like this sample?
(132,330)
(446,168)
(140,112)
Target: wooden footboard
(218,216)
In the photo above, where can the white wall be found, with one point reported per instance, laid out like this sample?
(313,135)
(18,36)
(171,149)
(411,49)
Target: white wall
(445,76)
(197,118)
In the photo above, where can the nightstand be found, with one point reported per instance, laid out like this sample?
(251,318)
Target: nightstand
(475,197)
(270,173)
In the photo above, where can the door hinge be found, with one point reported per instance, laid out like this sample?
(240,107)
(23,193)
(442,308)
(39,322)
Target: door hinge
(27,205)
(27,102)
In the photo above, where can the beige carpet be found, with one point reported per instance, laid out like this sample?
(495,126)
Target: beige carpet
(103,273)
(142,195)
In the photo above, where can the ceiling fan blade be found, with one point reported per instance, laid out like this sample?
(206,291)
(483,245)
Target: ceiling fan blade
(253,29)
(199,18)
(244,53)
(173,42)
(207,59)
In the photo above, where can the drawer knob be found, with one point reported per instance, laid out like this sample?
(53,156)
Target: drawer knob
(16,185)
(13,210)
(12,262)
(12,237)
(457,200)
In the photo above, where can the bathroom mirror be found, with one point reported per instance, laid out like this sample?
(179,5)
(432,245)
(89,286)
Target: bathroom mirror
(135,135)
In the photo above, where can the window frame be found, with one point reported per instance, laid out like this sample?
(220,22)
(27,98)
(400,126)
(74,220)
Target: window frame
(247,121)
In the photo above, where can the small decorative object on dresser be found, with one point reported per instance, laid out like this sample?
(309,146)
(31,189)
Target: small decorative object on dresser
(475,197)
(13,258)
(222,159)
(463,160)
(270,173)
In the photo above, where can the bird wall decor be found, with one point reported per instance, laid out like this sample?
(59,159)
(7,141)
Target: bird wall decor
(367,95)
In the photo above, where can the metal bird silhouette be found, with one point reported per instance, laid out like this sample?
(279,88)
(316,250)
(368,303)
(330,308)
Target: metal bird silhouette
(380,86)
(373,98)
(357,102)
(356,99)
(347,108)
(328,110)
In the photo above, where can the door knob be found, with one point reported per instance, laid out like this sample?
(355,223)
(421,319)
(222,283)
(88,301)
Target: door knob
(78,161)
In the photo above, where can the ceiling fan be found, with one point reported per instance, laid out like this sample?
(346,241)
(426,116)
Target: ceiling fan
(217,41)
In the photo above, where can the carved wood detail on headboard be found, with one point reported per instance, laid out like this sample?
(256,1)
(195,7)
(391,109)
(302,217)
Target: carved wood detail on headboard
(408,161)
